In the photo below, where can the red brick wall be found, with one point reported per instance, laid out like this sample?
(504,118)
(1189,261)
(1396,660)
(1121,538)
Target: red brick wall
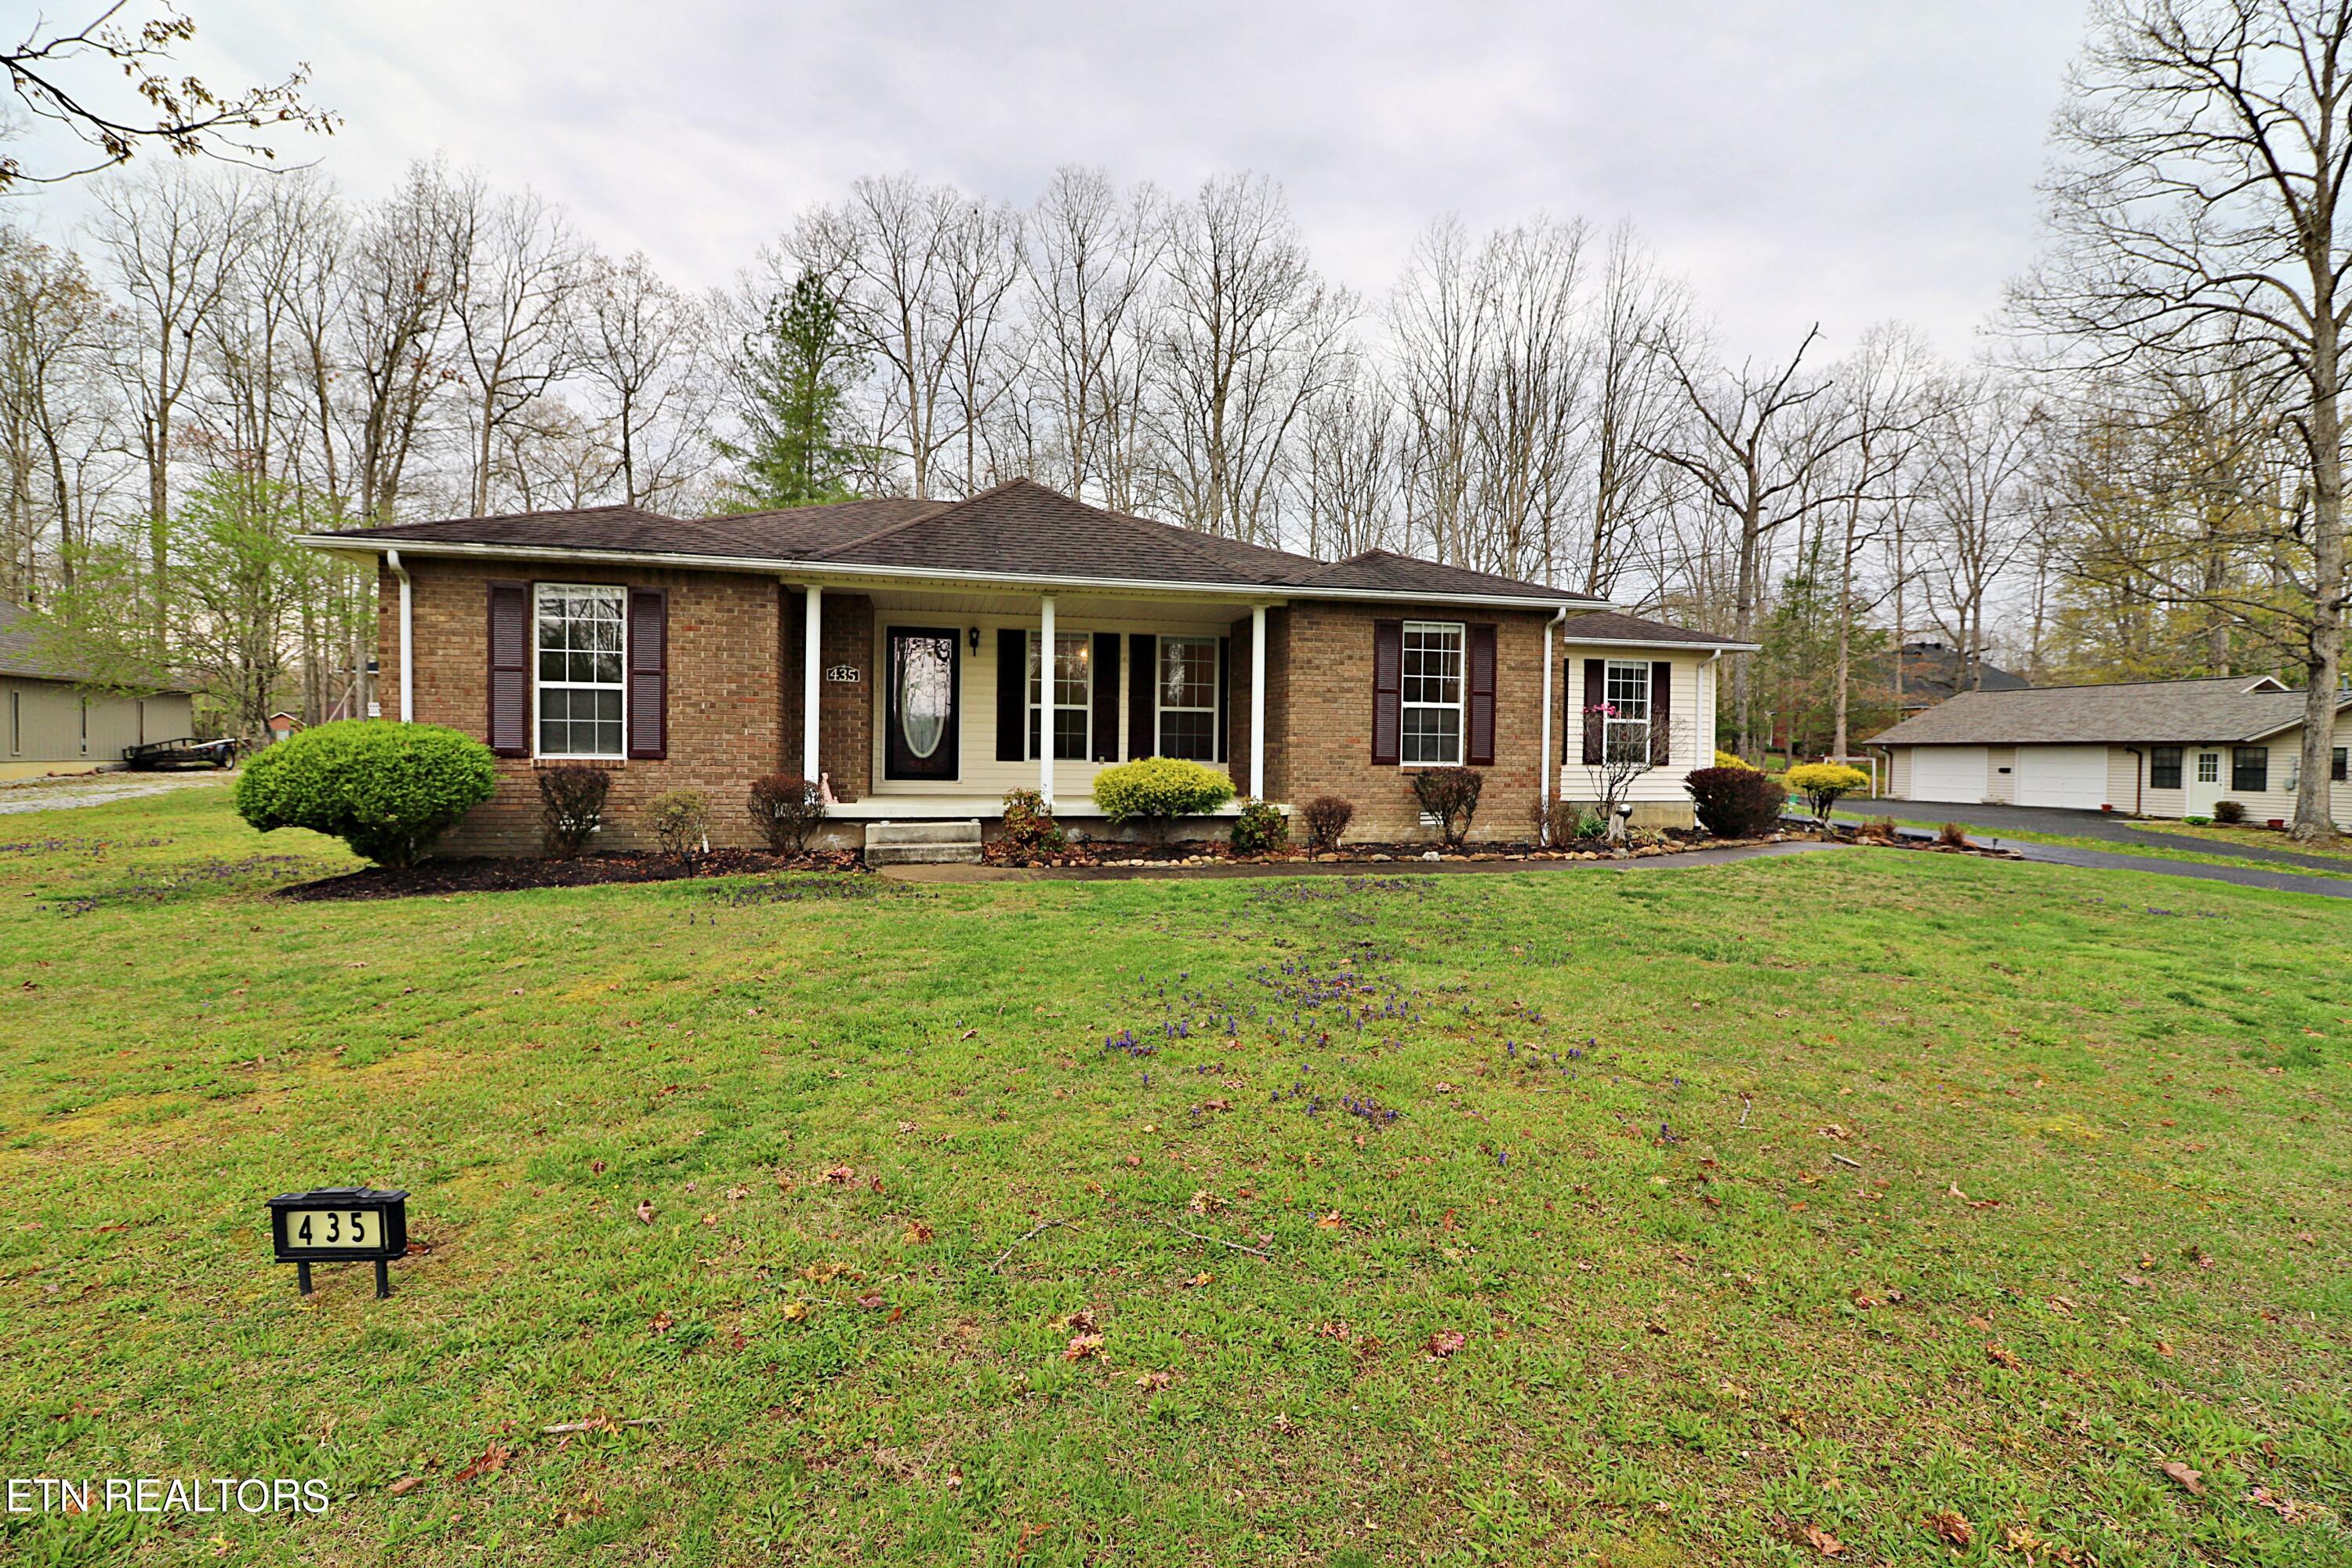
(845,720)
(1319,705)
(725,712)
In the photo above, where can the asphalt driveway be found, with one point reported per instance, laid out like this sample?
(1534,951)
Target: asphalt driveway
(1993,820)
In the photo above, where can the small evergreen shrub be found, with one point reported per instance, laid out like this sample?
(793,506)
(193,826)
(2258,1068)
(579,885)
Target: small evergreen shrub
(386,789)
(1327,816)
(2229,811)
(1158,790)
(680,821)
(1823,784)
(785,809)
(2197,821)
(1736,802)
(1591,823)
(572,807)
(1451,795)
(1029,825)
(1724,759)
(1260,829)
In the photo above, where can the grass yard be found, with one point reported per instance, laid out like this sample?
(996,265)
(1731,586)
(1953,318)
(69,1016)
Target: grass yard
(2226,838)
(1854,1206)
(2220,855)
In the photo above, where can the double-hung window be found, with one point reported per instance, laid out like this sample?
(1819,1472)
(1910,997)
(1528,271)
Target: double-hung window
(1187,698)
(580,638)
(2164,767)
(1626,694)
(2250,769)
(1072,702)
(2336,764)
(1430,700)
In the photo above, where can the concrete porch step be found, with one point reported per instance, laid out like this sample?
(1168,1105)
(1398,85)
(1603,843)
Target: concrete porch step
(923,832)
(923,843)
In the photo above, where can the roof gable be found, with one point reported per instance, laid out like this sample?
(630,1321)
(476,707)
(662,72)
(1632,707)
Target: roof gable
(2217,710)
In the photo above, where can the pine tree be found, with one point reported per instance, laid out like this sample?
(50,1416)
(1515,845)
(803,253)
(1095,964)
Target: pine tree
(792,373)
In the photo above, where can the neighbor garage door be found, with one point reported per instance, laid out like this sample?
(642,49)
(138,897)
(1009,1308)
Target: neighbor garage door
(2073,776)
(1947,772)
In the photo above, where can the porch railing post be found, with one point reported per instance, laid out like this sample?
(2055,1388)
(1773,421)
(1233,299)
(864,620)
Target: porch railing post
(812,680)
(1258,703)
(1045,670)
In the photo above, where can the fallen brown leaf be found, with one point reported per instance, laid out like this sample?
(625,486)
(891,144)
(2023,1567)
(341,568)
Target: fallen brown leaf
(1445,1342)
(1822,1541)
(646,1211)
(489,1462)
(1083,1347)
(2190,1481)
(1953,1528)
(406,1485)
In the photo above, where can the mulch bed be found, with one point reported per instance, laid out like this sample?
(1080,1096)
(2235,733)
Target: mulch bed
(1217,852)
(485,874)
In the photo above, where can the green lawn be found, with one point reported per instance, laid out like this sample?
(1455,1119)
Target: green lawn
(2222,835)
(2219,856)
(1726,1214)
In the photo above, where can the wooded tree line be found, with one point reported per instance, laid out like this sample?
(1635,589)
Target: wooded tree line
(2136,480)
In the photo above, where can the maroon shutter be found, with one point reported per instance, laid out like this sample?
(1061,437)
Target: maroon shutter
(510,683)
(648,674)
(1596,692)
(1388,691)
(1104,720)
(1479,751)
(1143,696)
(1662,713)
(1012,695)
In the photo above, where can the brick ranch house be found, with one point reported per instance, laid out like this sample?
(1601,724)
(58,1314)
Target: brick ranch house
(893,649)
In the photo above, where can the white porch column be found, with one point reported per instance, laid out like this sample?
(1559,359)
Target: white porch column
(1258,703)
(1045,699)
(812,679)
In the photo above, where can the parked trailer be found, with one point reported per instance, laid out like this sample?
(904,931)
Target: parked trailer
(184,752)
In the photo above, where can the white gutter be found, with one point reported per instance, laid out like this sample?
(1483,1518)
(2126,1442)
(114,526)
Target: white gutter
(407,638)
(1718,648)
(805,571)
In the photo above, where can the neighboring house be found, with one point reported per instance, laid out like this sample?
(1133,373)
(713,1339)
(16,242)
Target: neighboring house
(281,724)
(2151,748)
(925,657)
(51,723)
(1933,673)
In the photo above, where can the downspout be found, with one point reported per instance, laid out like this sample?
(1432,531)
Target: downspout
(1543,760)
(407,638)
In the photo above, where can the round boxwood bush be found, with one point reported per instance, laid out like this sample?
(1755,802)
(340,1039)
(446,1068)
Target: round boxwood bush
(386,789)
(1159,789)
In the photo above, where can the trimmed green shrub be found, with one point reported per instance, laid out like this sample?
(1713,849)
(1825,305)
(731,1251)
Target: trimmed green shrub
(1029,826)
(1736,802)
(680,821)
(1158,790)
(1261,829)
(1327,816)
(572,807)
(2229,811)
(2197,821)
(786,809)
(1823,784)
(1724,759)
(1451,795)
(386,789)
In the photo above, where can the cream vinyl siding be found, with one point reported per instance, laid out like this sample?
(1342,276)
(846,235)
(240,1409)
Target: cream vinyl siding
(2277,804)
(2000,774)
(40,725)
(980,774)
(1691,716)
(1898,773)
(2127,776)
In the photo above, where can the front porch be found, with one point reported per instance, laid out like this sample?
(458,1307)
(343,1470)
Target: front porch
(914,703)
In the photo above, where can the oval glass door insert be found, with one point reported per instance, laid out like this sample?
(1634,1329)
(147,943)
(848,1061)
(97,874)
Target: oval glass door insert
(926,692)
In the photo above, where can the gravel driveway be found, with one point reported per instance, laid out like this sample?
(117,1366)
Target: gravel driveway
(95,789)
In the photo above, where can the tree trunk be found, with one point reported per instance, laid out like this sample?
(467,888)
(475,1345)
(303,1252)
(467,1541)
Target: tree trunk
(2313,818)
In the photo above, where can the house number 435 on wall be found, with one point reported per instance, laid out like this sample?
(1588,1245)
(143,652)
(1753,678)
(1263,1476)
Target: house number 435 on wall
(847,674)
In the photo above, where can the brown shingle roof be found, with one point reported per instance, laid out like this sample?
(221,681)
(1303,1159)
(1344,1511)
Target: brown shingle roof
(1019,529)
(25,652)
(1615,625)
(2219,708)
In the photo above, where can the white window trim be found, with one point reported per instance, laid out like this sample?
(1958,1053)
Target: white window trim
(538,591)
(1216,691)
(1460,705)
(1040,736)
(2205,755)
(1649,704)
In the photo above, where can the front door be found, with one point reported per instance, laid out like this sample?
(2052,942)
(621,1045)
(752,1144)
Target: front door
(922,672)
(2204,781)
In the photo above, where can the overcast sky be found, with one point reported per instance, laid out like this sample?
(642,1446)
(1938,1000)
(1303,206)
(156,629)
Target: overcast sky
(1795,159)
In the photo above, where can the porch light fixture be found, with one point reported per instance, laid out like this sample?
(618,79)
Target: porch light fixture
(972,636)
